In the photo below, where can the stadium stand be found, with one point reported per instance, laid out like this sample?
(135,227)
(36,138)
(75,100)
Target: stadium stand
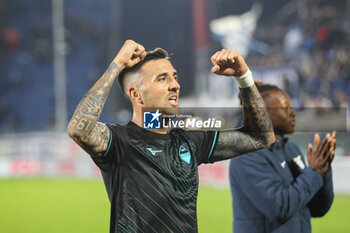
(313,41)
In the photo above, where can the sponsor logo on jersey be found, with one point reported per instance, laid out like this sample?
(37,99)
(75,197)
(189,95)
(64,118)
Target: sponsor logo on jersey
(299,162)
(283,164)
(153,152)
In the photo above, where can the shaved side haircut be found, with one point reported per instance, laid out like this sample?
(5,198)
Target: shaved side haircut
(132,75)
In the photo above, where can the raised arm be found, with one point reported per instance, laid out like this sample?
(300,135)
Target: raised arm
(257,131)
(84,127)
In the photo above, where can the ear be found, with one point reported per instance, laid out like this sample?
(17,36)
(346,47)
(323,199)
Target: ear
(135,95)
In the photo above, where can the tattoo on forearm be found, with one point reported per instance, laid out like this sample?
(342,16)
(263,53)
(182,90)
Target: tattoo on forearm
(93,137)
(257,132)
(256,118)
(91,106)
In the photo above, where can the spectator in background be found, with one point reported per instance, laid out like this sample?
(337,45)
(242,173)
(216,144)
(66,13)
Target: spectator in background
(293,41)
(312,40)
(273,189)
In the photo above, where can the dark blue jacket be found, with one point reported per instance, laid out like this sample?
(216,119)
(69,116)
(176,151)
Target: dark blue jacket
(274,191)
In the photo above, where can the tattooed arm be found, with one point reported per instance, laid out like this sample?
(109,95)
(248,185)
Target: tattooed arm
(83,128)
(257,131)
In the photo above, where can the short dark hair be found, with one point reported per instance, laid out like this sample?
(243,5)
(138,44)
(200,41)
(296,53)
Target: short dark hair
(264,89)
(155,54)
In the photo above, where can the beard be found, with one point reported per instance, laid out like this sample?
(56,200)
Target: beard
(170,111)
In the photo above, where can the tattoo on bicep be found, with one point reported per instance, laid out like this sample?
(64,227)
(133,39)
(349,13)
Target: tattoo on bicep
(100,137)
(97,142)
(232,143)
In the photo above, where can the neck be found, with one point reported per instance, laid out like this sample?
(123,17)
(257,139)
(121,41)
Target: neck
(279,135)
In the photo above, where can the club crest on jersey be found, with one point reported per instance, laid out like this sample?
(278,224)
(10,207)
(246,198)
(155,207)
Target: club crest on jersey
(185,154)
(299,162)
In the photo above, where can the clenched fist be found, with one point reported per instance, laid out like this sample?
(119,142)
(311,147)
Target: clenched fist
(228,62)
(129,55)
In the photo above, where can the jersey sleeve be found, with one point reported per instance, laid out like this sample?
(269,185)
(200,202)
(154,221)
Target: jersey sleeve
(205,142)
(113,154)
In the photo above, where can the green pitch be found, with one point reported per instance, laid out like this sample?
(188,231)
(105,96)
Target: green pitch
(75,206)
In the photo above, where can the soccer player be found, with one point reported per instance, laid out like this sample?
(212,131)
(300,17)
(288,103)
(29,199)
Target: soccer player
(151,174)
(273,189)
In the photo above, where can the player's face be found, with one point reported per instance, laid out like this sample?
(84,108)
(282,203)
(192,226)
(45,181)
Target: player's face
(281,112)
(160,87)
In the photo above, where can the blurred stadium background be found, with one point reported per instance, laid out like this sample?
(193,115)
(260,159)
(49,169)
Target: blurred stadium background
(52,51)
